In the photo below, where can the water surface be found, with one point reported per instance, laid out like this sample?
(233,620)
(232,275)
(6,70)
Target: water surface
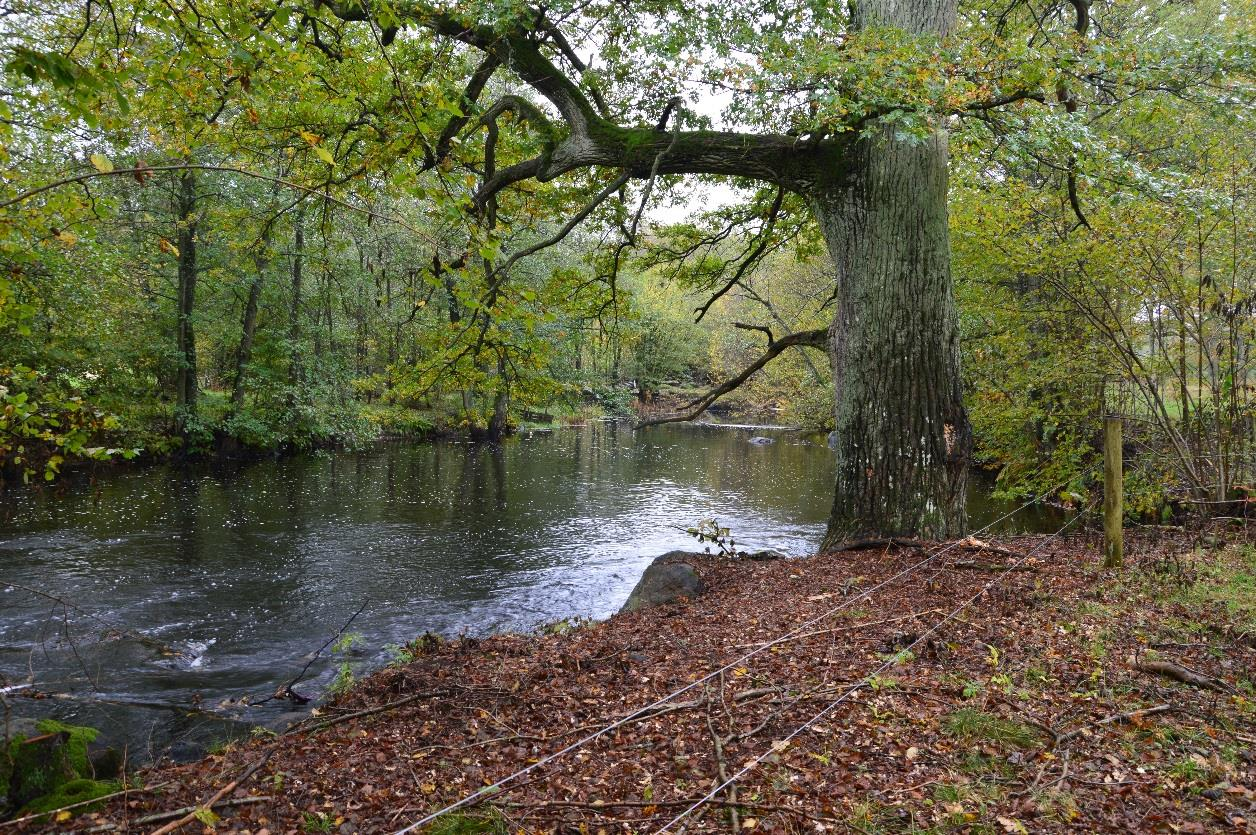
(245,570)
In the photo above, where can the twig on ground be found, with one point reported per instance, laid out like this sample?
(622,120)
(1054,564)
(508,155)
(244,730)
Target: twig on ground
(1116,718)
(358,714)
(189,813)
(51,813)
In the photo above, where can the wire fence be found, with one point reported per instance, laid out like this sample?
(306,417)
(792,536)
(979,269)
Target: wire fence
(505,783)
(864,682)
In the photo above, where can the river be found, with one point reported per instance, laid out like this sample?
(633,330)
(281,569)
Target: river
(245,570)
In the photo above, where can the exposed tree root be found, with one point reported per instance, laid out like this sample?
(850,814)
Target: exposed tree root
(861,544)
(1185,675)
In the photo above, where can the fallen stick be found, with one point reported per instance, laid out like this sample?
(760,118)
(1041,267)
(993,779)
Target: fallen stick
(981,545)
(285,691)
(165,816)
(846,628)
(971,565)
(1172,670)
(230,802)
(721,763)
(358,714)
(189,813)
(52,812)
(1116,718)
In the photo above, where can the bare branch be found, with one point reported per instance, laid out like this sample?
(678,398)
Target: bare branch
(761,328)
(812,339)
(752,258)
(571,224)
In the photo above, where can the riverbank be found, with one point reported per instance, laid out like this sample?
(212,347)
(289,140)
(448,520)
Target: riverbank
(1048,704)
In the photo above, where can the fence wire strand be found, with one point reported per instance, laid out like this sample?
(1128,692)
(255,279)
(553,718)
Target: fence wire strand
(859,685)
(488,791)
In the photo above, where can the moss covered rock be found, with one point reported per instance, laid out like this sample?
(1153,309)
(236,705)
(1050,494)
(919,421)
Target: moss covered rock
(48,769)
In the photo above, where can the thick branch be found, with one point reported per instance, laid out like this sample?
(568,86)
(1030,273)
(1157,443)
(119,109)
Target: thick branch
(475,86)
(812,339)
(594,140)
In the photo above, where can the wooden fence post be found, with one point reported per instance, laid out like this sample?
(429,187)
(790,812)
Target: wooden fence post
(1113,485)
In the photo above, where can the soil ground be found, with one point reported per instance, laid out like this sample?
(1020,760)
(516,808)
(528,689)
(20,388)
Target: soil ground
(984,691)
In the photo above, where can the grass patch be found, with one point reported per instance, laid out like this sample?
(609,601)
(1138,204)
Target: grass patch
(1226,584)
(470,823)
(974,725)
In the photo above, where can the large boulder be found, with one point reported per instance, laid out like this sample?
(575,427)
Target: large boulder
(666,580)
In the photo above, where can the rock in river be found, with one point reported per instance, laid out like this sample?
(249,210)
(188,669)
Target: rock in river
(666,580)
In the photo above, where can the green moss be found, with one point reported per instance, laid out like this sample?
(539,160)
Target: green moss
(79,790)
(42,774)
(78,737)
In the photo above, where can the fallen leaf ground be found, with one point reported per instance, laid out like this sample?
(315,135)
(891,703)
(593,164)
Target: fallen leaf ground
(992,722)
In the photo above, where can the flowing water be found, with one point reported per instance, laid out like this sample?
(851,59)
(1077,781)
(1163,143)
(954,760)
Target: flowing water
(243,571)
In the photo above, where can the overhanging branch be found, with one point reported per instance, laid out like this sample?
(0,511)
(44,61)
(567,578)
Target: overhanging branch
(811,339)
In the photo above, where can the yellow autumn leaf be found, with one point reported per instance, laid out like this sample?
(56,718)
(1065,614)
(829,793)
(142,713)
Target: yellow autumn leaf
(67,238)
(63,816)
(324,155)
(311,138)
(165,246)
(101,163)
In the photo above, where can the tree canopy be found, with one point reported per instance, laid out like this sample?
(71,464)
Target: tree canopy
(302,207)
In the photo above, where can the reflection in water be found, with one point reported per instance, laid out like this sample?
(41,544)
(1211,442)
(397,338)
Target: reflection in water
(253,566)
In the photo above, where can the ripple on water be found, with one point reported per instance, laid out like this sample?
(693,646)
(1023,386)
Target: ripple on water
(250,568)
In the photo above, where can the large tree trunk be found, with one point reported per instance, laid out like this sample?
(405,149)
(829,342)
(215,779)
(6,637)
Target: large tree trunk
(903,438)
(185,297)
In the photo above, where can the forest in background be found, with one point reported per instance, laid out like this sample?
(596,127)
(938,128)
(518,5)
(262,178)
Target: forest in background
(251,244)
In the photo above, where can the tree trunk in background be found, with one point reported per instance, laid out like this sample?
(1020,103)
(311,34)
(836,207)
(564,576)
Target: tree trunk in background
(295,370)
(903,437)
(248,324)
(185,299)
(498,424)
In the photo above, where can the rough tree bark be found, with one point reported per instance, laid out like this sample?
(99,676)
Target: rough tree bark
(903,437)
(248,324)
